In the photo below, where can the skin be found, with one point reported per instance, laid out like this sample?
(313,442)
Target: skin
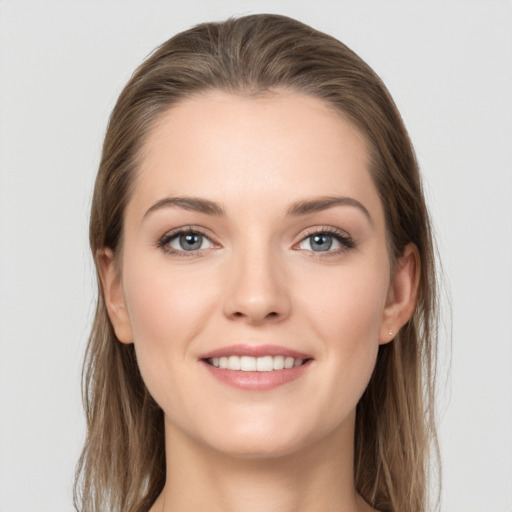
(257,279)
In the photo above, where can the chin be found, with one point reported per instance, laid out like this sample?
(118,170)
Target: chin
(273,440)
(252,449)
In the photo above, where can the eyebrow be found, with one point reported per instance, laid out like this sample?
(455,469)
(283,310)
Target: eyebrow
(194,204)
(324,203)
(299,208)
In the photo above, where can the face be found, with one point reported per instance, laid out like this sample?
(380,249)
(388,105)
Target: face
(255,240)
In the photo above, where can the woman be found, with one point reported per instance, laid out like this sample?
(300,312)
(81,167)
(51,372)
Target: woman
(266,329)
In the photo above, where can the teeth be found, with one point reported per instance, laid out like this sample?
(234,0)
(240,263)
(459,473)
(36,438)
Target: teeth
(234,363)
(247,364)
(265,364)
(255,364)
(278,362)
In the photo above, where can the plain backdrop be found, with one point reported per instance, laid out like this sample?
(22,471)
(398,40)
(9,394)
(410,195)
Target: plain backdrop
(449,67)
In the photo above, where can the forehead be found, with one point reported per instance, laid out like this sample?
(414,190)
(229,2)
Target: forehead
(274,147)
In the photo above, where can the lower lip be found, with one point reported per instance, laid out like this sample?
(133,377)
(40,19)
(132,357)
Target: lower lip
(257,381)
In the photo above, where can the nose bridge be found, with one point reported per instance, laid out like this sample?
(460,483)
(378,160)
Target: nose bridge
(257,288)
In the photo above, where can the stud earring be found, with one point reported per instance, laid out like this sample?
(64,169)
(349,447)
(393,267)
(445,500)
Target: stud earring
(391,332)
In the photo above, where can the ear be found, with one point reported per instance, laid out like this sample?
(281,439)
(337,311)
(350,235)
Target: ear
(114,295)
(402,294)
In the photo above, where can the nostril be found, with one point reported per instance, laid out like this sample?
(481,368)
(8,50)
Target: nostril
(256,318)
(271,314)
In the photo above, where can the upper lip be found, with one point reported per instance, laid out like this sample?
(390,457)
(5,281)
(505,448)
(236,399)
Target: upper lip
(254,351)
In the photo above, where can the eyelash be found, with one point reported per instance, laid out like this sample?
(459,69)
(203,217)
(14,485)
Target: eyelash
(163,243)
(346,241)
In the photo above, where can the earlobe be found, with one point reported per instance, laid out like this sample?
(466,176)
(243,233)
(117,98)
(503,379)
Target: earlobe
(402,294)
(114,296)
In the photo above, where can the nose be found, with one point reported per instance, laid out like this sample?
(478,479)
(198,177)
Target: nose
(257,290)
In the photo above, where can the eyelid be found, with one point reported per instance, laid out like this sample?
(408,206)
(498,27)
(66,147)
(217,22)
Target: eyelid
(342,236)
(324,229)
(163,241)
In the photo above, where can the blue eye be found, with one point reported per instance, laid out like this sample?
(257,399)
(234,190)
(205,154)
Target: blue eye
(320,242)
(185,241)
(326,242)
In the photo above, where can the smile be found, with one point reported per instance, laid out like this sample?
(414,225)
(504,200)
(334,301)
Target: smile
(256,367)
(255,364)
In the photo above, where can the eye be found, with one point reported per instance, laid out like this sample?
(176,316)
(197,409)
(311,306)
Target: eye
(326,241)
(190,242)
(182,242)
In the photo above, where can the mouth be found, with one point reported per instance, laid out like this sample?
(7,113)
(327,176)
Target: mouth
(256,367)
(266,363)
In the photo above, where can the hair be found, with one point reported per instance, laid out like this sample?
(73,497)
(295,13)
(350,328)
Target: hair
(122,466)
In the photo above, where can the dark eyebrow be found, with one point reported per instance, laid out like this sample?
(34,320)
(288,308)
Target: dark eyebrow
(324,203)
(187,203)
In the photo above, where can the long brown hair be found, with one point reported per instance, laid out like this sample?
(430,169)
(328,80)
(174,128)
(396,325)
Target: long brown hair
(122,466)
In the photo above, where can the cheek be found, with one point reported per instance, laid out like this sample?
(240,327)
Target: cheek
(165,306)
(349,306)
(168,310)
(346,315)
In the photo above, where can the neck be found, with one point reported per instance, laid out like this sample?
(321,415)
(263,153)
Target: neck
(316,477)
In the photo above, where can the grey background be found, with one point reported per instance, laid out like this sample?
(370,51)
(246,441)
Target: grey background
(449,67)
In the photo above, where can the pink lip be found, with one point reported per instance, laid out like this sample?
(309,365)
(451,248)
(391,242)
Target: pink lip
(254,351)
(256,381)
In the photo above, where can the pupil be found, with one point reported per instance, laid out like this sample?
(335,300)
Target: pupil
(190,241)
(322,242)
